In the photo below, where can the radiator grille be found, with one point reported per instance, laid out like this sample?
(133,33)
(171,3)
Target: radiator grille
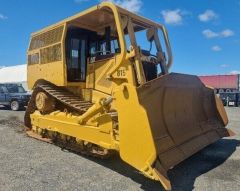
(51,54)
(47,38)
(33,59)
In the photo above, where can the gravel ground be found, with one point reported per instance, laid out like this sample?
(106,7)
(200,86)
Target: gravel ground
(28,164)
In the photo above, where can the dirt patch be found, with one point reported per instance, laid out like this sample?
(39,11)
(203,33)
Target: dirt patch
(14,123)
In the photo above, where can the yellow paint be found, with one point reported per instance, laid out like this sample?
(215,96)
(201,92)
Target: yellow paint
(137,145)
(111,84)
(69,125)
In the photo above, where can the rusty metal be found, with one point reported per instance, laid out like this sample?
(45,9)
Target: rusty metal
(183,117)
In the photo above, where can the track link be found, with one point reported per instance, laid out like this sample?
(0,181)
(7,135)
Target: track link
(67,98)
(71,144)
(67,101)
(64,98)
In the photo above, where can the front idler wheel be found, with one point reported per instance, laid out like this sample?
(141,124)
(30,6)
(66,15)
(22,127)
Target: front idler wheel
(44,102)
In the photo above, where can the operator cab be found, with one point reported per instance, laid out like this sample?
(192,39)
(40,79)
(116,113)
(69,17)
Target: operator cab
(95,37)
(85,46)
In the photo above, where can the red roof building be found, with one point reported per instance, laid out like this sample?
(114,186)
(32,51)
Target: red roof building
(224,82)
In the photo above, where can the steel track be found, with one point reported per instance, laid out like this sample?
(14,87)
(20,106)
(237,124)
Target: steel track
(70,102)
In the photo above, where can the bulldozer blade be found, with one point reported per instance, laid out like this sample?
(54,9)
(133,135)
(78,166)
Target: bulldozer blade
(184,116)
(177,116)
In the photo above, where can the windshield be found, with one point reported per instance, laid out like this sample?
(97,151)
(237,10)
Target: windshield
(146,40)
(101,47)
(15,89)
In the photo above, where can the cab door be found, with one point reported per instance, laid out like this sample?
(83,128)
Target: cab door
(76,49)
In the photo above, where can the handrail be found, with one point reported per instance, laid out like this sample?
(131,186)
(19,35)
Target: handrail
(168,46)
(120,35)
(116,14)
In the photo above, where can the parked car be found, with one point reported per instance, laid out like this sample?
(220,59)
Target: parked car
(230,98)
(13,96)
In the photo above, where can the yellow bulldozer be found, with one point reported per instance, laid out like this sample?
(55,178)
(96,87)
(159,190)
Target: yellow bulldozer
(101,85)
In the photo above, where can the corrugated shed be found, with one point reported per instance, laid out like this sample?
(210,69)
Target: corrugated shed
(221,81)
(13,74)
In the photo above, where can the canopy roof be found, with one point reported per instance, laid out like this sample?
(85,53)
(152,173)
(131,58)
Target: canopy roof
(99,16)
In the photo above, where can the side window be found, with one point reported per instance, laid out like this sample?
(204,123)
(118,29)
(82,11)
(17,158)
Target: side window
(1,90)
(128,41)
(103,48)
(92,48)
(97,48)
(4,89)
(75,49)
(83,59)
(104,45)
(115,46)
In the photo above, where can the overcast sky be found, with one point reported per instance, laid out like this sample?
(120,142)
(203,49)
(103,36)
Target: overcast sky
(204,34)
